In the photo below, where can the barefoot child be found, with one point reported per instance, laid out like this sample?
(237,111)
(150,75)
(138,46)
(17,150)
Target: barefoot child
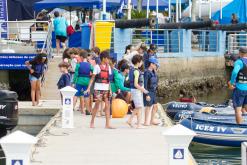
(101,75)
(83,72)
(65,77)
(151,84)
(137,90)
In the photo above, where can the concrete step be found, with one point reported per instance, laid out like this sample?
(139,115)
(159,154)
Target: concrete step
(33,118)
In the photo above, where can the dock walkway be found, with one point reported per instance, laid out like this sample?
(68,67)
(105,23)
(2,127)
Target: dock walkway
(49,90)
(82,145)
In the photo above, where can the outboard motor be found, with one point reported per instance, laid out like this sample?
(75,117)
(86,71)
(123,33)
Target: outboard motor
(8,111)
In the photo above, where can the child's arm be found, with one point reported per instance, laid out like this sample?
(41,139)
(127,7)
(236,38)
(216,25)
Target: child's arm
(146,79)
(90,83)
(28,64)
(120,84)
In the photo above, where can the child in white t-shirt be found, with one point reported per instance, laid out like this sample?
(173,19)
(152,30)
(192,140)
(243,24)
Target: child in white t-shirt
(102,92)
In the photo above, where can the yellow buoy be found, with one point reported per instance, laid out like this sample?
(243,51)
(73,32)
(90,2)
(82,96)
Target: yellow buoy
(119,108)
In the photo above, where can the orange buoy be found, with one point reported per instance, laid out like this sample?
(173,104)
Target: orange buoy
(119,108)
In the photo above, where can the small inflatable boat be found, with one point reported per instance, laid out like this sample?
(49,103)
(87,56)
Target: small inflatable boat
(220,130)
(177,108)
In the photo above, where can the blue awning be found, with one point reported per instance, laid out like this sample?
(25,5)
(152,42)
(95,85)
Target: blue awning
(163,4)
(68,4)
(238,7)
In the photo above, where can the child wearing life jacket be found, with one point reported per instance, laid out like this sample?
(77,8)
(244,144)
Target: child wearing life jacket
(36,68)
(151,84)
(137,90)
(64,80)
(102,91)
(83,72)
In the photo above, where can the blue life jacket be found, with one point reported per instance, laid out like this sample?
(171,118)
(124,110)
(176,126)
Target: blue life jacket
(152,83)
(242,74)
(132,78)
(84,69)
(111,77)
(38,70)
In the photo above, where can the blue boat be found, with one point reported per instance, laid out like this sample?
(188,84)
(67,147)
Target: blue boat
(174,109)
(220,130)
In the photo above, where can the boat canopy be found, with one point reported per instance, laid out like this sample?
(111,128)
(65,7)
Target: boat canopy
(237,7)
(71,4)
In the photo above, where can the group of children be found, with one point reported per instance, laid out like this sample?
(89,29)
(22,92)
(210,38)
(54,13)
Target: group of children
(98,78)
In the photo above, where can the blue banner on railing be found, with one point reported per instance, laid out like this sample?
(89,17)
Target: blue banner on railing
(3,17)
(14,61)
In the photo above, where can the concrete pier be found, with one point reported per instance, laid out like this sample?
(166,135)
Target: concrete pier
(33,119)
(98,146)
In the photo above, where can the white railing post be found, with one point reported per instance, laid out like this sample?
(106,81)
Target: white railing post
(68,113)
(17,148)
(177,140)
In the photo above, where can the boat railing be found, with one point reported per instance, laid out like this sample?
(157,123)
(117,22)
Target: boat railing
(235,41)
(25,36)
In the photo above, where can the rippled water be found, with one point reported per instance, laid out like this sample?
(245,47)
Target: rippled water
(213,155)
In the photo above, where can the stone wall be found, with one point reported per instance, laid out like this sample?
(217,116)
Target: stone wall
(198,75)
(4,80)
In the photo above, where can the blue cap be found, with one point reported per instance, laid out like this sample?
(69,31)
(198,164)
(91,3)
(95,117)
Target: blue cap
(154,61)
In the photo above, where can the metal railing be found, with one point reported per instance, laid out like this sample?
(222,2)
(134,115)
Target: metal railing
(167,41)
(26,36)
(204,41)
(235,41)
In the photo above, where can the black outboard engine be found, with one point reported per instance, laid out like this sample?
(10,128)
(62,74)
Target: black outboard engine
(8,111)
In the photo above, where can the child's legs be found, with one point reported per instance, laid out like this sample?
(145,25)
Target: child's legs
(107,112)
(58,46)
(78,87)
(87,104)
(33,92)
(82,105)
(38,91)
(154,111)
(94,112)
(74,101)
(147,115)
(139,117)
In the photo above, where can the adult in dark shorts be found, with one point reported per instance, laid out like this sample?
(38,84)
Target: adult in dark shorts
(238,84)
(151,84)
(60,28)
